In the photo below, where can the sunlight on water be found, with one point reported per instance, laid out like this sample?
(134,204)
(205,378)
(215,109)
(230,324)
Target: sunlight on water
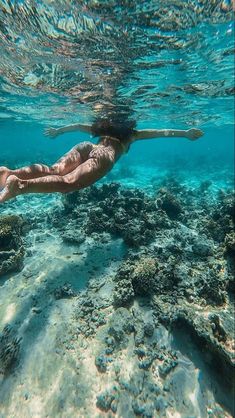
(99,57)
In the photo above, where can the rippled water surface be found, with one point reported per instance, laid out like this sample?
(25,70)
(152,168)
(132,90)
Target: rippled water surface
(69,60)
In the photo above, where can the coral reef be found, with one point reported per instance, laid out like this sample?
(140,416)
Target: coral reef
(120,324)
(219,220)
(143,275)
(64,291)
(130,214)
(71,235)
(135,278)
(169,203)
(230,242)
(11,244)
(108,400)
(9,349)
(179,278)
(153,315)
(90,313)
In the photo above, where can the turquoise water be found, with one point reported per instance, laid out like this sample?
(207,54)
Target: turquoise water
(118,300)
(210,158)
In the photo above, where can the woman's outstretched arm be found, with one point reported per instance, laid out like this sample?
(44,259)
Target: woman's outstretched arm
(191,134)
(54,132)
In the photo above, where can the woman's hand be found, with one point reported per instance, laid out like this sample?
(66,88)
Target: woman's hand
(51,132)
(194,134)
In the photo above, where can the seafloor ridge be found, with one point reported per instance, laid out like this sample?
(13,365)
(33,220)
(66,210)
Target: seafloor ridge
(118,302)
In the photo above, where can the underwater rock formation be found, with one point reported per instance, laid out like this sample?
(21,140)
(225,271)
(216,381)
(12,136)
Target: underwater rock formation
(9,349)
(108,400)
(89,314)
(143,276)
(64,291)
(220,221)
(136,332)
(121,323)
(176,278)
(123,291)
(130,214)
(169,203)
(230,242)
(211,337)
(72,236)
(134,278)
(11,244)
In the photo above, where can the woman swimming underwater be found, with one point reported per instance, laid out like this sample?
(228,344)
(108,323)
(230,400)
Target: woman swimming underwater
(85,163)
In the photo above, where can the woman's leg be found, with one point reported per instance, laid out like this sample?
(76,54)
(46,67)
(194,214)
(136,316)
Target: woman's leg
(84,175)
(63,166)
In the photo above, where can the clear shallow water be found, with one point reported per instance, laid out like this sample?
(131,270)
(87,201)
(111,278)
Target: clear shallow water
(165,64)
(77,60)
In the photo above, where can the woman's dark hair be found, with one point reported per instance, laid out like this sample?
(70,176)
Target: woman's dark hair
(121,129)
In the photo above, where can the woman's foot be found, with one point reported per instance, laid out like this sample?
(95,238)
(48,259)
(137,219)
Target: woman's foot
(4,174)
(12,188)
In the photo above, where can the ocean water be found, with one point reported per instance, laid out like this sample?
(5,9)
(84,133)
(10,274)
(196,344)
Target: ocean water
(118,300)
